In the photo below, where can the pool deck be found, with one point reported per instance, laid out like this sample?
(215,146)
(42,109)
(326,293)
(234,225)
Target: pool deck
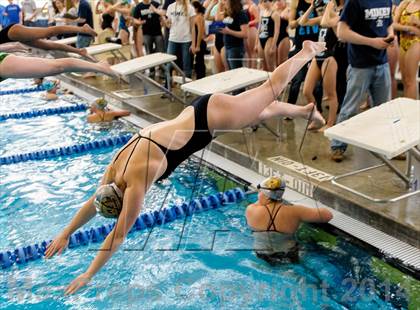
(266,154)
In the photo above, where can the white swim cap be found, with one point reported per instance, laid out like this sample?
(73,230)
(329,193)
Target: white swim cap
(273,188)
(108,200)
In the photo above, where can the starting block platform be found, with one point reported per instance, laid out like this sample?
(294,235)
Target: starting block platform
(386,131)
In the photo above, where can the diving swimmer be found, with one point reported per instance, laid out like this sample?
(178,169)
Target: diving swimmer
(153,153)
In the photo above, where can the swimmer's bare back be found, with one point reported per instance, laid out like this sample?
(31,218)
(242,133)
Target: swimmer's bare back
(173,134)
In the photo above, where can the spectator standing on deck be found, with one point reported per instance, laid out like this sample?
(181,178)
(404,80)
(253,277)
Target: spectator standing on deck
(162,13)
(234,33)
(146,11)
(29,11)
(302,33)
(3,19)
(199,47)
(407,21)
(366,25)
(84,16)
(180,20)
(13,13)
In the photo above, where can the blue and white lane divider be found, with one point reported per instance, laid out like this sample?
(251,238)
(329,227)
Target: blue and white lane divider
(22,90)
(42,112)
(66,150)
(149,219)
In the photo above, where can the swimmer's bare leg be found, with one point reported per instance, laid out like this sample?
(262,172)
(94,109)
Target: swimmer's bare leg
(235,112)
(276,109)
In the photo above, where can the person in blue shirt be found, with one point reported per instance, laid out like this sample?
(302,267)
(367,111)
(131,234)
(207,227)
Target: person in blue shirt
(366,25)
(2,17)
(13,13)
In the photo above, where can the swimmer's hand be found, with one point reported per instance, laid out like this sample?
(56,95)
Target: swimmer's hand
(77,284)
(58,245)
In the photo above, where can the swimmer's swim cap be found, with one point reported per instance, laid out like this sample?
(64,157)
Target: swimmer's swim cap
(48,85)
(100,103)
(108,200)
(273,188)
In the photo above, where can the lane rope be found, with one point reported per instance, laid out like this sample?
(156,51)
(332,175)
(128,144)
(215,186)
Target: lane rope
(43,112)
(151,219)
(66,150)
(22,90)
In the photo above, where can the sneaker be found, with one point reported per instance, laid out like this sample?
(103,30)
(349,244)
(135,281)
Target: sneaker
(337,155)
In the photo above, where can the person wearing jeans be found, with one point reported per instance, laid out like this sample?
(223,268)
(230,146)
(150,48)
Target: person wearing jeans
(146,11)
(84,16)
(367,27)
(182,52)
(180,20)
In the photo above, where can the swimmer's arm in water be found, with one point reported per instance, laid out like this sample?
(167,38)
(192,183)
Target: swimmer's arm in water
(133,201)
(84,215)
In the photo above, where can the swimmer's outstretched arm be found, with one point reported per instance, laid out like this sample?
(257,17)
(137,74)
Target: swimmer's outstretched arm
(60,243)
(84,215)
(33,67)
(133,201)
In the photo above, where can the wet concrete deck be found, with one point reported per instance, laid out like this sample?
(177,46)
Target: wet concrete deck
(265,153)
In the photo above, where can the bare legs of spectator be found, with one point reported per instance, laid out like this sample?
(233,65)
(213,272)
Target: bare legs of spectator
(250,47)
(393,53)
(409,66)
(327,73)
(283,51)
(138,41)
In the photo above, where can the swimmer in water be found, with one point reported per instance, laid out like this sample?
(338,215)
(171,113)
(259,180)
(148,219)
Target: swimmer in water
(153,153)
(99,112)
(274,222)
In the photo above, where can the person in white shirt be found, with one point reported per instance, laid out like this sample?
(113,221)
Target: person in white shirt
(29,11)
(180,20)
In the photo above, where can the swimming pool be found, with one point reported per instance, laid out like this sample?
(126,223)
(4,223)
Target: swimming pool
(211,266)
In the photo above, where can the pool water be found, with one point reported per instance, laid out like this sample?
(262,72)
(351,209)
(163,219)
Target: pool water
(29,101)
(46,132)
(205,261)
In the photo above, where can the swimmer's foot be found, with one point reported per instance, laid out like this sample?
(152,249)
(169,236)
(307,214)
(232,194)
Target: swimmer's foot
(105,68)
(313,48)
(88,30)
(83,52)
(313,115)
(322,129)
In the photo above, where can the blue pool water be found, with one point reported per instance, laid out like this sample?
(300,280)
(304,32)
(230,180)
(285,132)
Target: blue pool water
(29,101)
(46,132)
(202,262)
